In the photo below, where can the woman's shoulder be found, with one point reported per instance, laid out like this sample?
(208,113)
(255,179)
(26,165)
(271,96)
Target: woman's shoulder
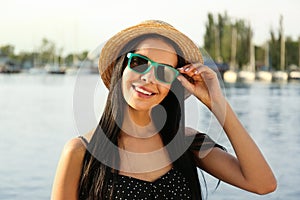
(76,146)
(69,169)
(74,149)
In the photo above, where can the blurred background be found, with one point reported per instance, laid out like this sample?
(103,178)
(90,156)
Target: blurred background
(48,47)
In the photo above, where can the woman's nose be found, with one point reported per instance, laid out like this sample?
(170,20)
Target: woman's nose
(149,77)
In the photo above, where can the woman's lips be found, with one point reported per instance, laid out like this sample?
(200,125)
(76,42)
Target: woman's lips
(143,91)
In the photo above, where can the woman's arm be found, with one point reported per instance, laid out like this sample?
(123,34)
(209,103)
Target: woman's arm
(68,172)
(249,170)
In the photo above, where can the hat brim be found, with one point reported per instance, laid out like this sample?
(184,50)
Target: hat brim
(112,48)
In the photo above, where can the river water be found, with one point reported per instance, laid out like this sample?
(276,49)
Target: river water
(37,118)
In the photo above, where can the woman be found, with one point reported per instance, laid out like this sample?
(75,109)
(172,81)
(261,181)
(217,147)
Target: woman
(141,148)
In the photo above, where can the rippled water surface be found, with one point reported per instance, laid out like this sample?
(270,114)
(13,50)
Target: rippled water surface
(36,119)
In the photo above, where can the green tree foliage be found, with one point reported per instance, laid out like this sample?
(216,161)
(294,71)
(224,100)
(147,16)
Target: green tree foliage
(75,59)
(7,50)
(292,52)
(225,37)
(25,57)
(47,52)
(209,37)
(260,56)
(243,42)
(219,35)
(274,46)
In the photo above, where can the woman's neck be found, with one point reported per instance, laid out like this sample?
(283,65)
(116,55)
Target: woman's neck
(137,117)
(138,123)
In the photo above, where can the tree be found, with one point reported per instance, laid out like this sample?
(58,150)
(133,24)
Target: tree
(218,39)
(47,52)
(225,29)
(260,56)
(274,45)
(291,53)
(209,37)
(25,58)
(243,42)
(7,50)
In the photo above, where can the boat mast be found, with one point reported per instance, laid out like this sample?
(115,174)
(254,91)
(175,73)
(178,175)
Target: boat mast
(233,48)
(282,45)
(217,44)
(267,60)
(299,52)
(252,51)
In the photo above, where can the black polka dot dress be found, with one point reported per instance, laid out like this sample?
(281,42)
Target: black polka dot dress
(171,185)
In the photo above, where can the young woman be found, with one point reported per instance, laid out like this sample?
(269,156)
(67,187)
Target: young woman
(141,148)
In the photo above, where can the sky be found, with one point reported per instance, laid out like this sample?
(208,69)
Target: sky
(76,26)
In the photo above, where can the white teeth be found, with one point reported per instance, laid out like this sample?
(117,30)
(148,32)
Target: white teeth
(143,91)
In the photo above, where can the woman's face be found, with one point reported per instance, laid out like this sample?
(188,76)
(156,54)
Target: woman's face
(144,91)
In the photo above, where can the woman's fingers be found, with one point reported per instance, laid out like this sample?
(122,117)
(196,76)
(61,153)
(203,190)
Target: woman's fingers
(197,71)
(186,84)
(188,70)
(205,85)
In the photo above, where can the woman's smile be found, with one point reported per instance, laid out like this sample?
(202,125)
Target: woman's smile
(143,91)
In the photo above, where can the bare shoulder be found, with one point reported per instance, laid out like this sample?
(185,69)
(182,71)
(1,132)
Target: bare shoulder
(73,154)
(69,169)
(75,148)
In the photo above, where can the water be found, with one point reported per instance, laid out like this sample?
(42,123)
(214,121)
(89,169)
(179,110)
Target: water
(271,114)
(36,119)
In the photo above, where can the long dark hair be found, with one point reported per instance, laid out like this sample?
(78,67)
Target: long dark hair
(94,180)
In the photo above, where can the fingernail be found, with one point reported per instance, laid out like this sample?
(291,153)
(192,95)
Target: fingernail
(186,69)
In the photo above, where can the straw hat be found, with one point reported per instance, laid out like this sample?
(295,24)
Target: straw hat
(113,46)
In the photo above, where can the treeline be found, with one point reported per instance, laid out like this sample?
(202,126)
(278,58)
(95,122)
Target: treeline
(229,41)
(226,40)
(46,53)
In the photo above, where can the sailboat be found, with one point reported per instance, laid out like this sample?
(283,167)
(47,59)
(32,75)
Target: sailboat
(294,73)
(54,67)
(263,75)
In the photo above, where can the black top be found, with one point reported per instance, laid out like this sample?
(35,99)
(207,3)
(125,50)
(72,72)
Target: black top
(172,185)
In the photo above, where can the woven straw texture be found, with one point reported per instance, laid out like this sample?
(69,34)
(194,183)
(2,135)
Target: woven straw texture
(113,46)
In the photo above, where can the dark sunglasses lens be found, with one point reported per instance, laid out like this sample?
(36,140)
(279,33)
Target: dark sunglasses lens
(165,74)
(138,64)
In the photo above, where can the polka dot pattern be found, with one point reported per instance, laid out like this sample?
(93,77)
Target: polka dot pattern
(171,185)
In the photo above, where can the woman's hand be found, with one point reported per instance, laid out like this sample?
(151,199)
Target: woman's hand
(206,86)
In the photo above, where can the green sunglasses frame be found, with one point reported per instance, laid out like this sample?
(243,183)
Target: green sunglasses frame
(152,63)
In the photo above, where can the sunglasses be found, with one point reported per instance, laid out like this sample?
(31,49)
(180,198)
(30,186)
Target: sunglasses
(142,65)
